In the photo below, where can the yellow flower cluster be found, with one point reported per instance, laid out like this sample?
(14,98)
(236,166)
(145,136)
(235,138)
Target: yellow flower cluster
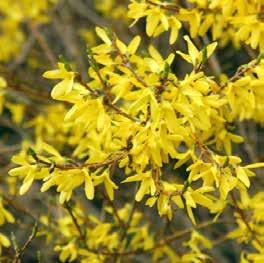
(134,111)
(101,235)
(240,21)
(250,231)
(133,121)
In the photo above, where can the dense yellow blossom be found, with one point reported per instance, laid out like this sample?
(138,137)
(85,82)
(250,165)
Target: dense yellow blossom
(242,18)
(129,120)
(159,114)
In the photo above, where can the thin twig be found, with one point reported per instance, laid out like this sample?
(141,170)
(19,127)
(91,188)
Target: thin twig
(20,251)
(127,225)
(24,53)
(43,44)
(19,207)
(75,222)
(69,166)
(115,211)
(243,69)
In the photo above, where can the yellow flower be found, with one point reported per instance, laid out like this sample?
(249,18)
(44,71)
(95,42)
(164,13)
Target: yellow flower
(63,87)
(195,57)
(4,242)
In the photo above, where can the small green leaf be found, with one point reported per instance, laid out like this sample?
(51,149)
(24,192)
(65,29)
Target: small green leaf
(32,153)
(260,57)
(166,71)
(204,55)
(91,59)
(66,63)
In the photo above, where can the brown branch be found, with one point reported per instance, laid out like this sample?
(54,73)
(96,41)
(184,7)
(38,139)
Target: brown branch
(20,251)
(119,111)
(115,211)
(127,225)
(244,69)
(19,60)
(75,222)
(19,207)
(69,166)
(81,234)
(24,89)
(43,43)
(40,96)
(93,92)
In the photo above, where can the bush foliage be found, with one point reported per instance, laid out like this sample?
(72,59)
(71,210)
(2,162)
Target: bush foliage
(147,146)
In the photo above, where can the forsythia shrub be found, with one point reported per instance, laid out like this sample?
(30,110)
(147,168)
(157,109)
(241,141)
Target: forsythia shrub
(141,153)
